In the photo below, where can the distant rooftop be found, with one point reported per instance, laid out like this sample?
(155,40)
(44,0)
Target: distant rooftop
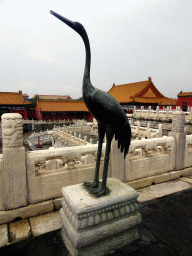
(61,106)
(140,92)
(53,97)
(12,98)
(184,94)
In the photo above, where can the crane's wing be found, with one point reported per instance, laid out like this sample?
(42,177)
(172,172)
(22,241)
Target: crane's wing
(107,110)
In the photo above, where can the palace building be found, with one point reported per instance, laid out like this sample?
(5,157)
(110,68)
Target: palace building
(184,100)
(13,102)
(140,94)
(52,97)
(61,109)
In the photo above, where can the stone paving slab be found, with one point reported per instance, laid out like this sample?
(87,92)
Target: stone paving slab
(45,223)
(3,235)
(166,229)
(19,230)
(163,189)
(187,179)
(26,212)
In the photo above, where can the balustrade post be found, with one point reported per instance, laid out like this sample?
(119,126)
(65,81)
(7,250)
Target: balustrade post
(134,110)
(178,122)
(148,130)
(160,130)
(167,112)
(157,112)
(149,112)
(141,111)
(14,183)
(138,126)
(79,139)
(33,125)
(190,115)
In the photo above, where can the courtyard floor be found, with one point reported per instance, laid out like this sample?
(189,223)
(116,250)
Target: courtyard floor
(166,229)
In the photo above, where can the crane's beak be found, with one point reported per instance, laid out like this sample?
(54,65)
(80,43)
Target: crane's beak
(66,21)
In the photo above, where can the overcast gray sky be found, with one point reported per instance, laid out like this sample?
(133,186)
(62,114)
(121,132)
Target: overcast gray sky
(130,40)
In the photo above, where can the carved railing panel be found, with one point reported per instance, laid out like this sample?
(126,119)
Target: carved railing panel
(164,115)
(2,189)
(150,157)
(188,151)
(49,170)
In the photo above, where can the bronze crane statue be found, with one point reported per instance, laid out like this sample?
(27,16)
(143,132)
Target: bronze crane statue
(107,111)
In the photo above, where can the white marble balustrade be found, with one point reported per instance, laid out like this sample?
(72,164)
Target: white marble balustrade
(164,115)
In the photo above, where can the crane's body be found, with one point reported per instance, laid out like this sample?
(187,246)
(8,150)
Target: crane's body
(106,110)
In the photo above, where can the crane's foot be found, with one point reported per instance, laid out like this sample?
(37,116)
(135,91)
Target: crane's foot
(99,192)
(91,185)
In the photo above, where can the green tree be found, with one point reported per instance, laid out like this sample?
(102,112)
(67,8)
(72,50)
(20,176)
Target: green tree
(80,99)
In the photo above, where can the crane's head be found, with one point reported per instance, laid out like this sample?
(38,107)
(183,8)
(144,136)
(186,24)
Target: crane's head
(73,24)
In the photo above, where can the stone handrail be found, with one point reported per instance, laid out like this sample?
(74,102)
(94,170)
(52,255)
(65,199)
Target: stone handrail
(60,135)
(188,151)
(164,115)
(47,121)
(146,158)
(146,132)
(150,157)
(63,134)
(49,170)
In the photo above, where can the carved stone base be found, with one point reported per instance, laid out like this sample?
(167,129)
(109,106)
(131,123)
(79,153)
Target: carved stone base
(97,226)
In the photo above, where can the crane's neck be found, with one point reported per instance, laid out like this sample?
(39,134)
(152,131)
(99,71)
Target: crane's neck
(87,87)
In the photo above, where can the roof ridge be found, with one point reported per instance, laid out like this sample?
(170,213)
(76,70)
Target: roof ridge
(132,83)
(11,92)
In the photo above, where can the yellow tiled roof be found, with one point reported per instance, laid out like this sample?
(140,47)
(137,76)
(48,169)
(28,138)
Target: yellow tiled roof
(61,106)
(125,92)
(52,97)
(184,94)
(12,98)
(157,100)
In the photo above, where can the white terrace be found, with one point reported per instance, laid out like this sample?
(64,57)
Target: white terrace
(31,182)
(60,135)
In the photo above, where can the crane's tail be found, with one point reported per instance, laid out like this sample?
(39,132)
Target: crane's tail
(124,137)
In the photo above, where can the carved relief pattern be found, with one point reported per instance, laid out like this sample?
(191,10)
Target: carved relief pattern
(178,122)
(12,130)
(40,164)
(96,217)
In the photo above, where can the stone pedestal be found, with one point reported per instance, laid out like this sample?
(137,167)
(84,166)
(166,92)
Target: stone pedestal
(97,226)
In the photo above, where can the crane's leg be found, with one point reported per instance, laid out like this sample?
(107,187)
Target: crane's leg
(95,183)
(103,190)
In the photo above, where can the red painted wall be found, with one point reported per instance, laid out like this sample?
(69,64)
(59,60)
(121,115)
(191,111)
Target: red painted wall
(164,107)
(23,113)
(38,113)
(184,99)
(31,114)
